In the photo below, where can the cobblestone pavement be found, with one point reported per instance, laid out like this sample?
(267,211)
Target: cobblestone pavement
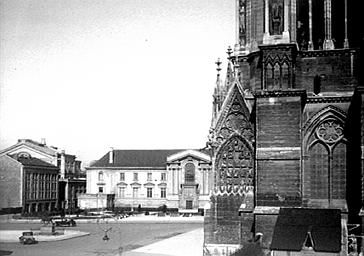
(125,238)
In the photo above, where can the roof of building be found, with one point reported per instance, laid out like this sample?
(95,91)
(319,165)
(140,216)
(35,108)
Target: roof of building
(295,225)
(35,162)
(34,145)
(137,158)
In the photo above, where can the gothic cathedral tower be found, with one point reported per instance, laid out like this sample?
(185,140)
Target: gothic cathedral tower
(286,130)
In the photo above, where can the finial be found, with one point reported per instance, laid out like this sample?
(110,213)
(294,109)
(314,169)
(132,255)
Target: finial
(218,63)
(229,51)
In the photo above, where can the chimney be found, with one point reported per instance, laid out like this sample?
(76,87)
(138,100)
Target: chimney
(63,164)
(111,156)
(43,141)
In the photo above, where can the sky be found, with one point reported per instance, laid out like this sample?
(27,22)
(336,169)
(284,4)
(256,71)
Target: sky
(88,75)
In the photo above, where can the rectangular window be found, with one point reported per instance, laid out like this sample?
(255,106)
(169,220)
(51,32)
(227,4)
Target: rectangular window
(135,192)
(163,176)
(135,176)
(149,192)
(121,192)
(149,176)
(101,190)
(122,176)
(163,193)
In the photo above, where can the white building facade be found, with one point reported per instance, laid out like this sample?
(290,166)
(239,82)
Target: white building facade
(179,179)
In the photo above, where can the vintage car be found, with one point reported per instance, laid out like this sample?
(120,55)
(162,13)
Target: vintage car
(27,238)
(65,223)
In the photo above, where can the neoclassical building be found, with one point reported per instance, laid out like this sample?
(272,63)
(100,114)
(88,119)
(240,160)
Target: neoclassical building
(179,179)
(287,131)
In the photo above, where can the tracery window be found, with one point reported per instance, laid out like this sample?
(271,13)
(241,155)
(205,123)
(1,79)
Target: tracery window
(330,131)
(235,164)
(327,161)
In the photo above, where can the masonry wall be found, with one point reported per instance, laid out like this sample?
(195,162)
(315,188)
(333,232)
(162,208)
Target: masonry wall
(265,225)
(278,151)
(10,179)
(337,70)
(224,225)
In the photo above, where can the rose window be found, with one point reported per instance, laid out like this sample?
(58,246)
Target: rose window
(330,131)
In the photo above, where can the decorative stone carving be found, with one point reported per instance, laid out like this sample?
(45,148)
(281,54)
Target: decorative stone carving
(235,122)
(235,164)
(330,131)
(242,22)
(276,17)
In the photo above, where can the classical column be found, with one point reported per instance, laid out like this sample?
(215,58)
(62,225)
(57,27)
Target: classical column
(310,44)
(346,41)
(328,43)
(171,171)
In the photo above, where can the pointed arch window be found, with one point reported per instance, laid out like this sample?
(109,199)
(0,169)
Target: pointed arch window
(285,76)
(269,76)
(326,173)
(235,163)
(276,76)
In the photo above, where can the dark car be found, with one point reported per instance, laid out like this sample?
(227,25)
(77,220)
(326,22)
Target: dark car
(27,238)
(65,223)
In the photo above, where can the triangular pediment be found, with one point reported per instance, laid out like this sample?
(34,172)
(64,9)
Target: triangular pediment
(122,184)
(43,153)
(148,184)
(135,184)
(189,153)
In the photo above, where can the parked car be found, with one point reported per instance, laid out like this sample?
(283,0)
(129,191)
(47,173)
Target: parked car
(65,223)
(27,238)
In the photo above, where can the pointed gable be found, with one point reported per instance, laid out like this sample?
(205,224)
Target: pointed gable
(234,116)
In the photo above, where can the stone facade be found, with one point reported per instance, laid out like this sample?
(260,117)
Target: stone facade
(179,179)
(285,129)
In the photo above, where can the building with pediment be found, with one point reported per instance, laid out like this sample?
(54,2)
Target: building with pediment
(287,124)
(179,179)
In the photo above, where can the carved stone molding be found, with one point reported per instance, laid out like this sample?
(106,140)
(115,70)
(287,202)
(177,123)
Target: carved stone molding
(234,164)
(330,131)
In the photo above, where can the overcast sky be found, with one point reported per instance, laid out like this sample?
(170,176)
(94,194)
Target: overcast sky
(88,75)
